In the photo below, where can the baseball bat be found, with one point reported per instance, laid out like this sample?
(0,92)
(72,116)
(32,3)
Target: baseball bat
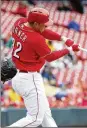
(83,49)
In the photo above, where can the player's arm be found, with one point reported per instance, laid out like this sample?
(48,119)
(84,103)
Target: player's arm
(56,55)
(44,51)
(60,53)
(51,35)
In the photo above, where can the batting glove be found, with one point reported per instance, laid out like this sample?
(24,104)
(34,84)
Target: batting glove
(67,41)
(74,48)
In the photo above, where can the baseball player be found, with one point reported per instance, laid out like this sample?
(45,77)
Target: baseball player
(30,52)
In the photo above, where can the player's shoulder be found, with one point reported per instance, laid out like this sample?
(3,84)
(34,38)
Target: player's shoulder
(38,36)
(20,20)
(37,39)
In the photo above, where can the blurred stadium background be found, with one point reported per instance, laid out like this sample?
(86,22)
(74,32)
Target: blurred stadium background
(65,80)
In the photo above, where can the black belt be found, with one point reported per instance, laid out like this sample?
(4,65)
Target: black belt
(26,71)
(23,71)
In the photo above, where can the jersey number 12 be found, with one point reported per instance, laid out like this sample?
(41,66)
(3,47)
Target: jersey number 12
(19,48)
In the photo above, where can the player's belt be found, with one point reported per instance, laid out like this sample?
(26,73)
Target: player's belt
(23,71)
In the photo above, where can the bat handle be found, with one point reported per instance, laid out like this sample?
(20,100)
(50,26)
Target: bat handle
(83,49)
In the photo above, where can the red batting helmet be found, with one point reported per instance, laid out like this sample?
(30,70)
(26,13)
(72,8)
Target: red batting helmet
(39,15)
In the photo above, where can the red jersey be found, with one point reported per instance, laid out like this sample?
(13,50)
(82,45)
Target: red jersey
(29,47)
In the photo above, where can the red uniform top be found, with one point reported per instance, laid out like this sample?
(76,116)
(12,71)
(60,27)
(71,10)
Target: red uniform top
(30,49)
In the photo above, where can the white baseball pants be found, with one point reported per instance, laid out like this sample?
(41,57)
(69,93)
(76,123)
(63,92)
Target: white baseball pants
(30,87)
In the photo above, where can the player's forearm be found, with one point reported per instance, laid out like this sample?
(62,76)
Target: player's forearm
(56,55)
(51,35)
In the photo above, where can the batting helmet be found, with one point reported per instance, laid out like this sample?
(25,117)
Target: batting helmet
(39,15)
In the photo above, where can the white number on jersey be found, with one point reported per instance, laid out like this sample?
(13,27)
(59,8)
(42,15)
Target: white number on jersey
(19,48)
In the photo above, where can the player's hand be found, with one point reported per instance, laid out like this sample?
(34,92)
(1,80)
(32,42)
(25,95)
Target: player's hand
(74,48)
(67,41)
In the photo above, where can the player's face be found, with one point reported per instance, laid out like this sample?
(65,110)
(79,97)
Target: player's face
(42,27)
(39,27)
